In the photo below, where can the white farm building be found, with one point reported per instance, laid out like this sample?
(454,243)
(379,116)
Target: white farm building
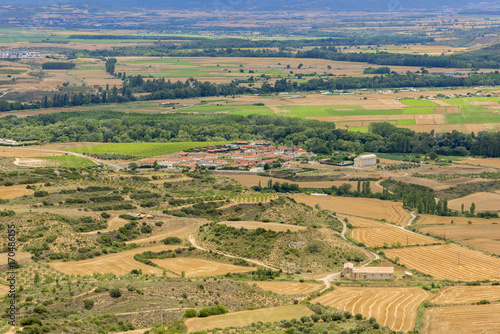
(365,160)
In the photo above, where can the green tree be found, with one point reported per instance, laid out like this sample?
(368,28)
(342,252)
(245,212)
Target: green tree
(110,65)
(472,208)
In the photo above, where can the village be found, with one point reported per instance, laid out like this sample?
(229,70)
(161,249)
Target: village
(239,155)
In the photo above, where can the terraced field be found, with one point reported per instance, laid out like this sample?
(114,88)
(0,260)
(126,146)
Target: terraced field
(470,319)
(441,261)
(393,307)
(377,236)
(466,294)
(362,222)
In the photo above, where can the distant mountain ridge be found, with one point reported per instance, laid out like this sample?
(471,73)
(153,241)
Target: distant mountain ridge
(239,5)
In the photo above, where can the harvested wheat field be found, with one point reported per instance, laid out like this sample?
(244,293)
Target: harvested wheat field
(17,152)
(113,225)
(276,227)
(393,307)
(466,294)
(173,227)
(244,318)
(193,267)
(483,201)
(441,261)
(461,232)
(492,162)
(253,180)
(14,191)
(491,246)
(20,256)
(362,222)
(119,264)
(288,288)
(470,319)
(440,220)
(391,235)
(366,207)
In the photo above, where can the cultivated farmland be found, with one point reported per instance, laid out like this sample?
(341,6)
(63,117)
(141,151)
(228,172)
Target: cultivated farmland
(288,288)
(142,149)
(483,201)
(362,222)
(244,318)
(482,237)
(466,294)
(393,307)
(119,264)
(372,237)
(441,261)
(366,207)
(440,220)
(468,319)
(193,267)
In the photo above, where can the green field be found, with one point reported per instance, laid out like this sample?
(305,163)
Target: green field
(359,129)
(474,118)
(474,109)
(406,122)
(364,112)
(419,110)
(238,110)
(142,150)
(352,107)
(455,119)
(67,161)
(456,102)
(419,103)
(492,117)
(482,99)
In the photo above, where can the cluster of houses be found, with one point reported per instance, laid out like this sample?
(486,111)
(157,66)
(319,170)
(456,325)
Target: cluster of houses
(239,155)
(4,141)
(20,54)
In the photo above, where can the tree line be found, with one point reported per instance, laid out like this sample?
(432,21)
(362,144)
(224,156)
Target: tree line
(312,135)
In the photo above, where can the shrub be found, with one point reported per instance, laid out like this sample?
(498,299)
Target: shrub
(212,310)
(41,193)
(88,304)
(172,241)
(191,313)
(358,316)
(31,321)
(40,309)
(105,215)
(115,293)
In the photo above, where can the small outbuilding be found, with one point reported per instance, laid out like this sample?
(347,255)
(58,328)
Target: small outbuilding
(365,160)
